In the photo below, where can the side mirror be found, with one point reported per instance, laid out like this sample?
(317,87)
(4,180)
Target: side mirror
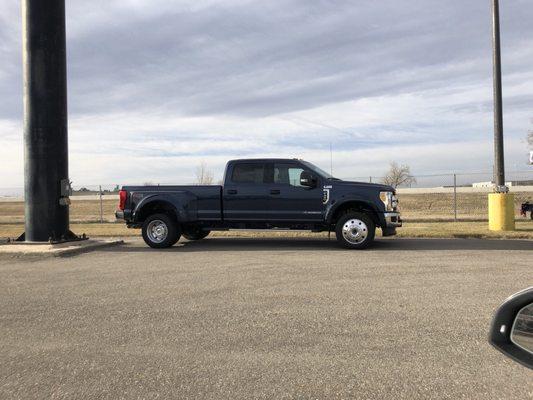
(512,328)
(307,179)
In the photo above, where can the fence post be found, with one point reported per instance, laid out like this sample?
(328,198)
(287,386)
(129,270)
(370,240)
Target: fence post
(101,206)
(455,197)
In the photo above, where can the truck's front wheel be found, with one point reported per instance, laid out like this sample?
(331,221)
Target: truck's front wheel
(355,230)
(160,231)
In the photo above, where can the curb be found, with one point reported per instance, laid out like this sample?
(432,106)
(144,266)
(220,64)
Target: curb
(21,251)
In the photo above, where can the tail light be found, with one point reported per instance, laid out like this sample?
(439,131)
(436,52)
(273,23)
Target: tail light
(122,196)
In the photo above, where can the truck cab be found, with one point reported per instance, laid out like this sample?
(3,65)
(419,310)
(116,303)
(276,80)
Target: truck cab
(298,192)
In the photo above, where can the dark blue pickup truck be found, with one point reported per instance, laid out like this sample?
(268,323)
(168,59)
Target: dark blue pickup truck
(263,194)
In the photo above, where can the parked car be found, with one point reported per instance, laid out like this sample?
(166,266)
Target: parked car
(525,208)
(263,194)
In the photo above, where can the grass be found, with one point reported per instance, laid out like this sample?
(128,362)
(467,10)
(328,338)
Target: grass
(80,211)
(524,230)
(472,206)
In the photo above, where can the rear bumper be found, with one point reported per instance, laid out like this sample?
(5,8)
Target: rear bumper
(125,215)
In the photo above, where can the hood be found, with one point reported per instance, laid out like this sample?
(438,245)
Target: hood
(377,186)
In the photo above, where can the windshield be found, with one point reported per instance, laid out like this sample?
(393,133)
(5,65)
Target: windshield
(319,171)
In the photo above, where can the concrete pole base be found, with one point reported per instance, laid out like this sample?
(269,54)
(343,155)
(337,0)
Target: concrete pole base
(501,212)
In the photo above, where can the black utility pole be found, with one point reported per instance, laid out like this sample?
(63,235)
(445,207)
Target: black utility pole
(499,171)
(46,186)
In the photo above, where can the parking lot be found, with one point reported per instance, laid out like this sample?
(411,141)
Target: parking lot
(263,318)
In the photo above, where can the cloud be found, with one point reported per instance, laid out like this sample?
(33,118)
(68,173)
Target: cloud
(156,86)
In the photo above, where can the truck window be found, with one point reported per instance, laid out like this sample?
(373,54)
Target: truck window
(287,174)
(248,173)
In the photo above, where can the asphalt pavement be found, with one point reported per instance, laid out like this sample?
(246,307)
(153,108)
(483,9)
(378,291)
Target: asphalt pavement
(241,318)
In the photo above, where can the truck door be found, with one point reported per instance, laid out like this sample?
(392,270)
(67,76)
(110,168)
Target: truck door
(246,195)
(290,201)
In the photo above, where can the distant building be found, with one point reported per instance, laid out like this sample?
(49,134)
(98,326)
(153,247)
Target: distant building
(509,184)
(482,184)
(528,182)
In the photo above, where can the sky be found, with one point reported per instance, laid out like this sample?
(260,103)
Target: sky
(155,87)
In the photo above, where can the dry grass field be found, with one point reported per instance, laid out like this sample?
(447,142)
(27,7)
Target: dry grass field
(80,211)
(470,206)
(425,215)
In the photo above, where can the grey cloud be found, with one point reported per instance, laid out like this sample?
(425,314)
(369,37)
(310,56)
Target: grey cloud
(264,58)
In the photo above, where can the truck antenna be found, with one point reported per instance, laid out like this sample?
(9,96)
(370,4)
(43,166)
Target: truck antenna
(330,158)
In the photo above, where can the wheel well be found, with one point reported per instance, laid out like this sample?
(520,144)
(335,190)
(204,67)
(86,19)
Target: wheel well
(356,206)
(157,207)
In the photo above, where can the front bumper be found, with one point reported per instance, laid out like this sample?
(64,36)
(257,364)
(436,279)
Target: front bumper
(389,223)
(392,219)
(119,215)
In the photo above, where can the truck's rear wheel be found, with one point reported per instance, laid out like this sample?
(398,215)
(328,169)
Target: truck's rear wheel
(160,231)
(195,234)
(355,230)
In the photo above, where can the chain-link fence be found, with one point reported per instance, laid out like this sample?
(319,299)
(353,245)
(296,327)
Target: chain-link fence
(89,203)
(455,196)
(461,196)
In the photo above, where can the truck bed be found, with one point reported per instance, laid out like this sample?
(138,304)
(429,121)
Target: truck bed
(204,200)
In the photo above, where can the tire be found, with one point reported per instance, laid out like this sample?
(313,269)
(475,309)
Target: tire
(196,234)
(355,230)
(160,231)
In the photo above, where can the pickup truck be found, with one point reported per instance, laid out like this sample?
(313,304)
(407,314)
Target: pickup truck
(263,194)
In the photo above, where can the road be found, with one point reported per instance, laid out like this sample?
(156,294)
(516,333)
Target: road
(261,318)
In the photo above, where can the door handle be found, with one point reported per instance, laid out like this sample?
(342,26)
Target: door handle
(274,191)
(232,191)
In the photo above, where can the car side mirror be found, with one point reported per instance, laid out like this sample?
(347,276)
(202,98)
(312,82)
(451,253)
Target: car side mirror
(512,328)
(307,179)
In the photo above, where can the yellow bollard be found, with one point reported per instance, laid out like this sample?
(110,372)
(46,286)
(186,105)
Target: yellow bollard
(501,212)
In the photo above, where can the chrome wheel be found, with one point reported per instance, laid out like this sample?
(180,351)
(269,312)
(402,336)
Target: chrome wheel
(157,231)
(355,231)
